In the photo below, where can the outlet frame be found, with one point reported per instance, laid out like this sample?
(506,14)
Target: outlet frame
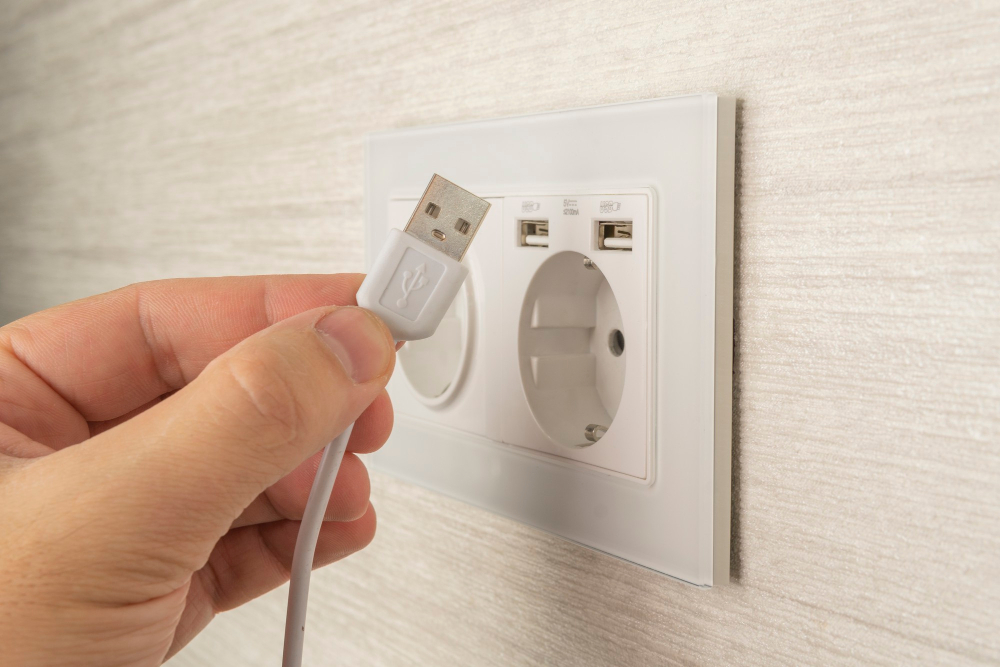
(683,149)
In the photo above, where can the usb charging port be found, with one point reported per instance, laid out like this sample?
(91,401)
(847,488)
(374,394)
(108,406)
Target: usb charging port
(535,233)
(614,235)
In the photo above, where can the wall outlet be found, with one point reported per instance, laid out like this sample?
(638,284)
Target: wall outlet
(573,350)
(560,360)
(581,381)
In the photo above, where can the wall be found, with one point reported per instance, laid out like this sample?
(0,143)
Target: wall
(148,139)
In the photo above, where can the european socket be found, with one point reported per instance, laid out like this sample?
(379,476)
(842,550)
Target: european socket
(642,473)
(571,376)
(569,391)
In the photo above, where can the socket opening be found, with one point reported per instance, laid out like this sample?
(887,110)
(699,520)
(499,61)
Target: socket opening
(571,350)
(616,342)
(435,366)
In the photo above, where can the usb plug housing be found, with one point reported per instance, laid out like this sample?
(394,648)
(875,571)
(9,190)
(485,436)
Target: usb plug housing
(419,270)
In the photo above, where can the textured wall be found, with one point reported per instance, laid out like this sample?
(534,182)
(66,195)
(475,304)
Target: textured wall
(147,139)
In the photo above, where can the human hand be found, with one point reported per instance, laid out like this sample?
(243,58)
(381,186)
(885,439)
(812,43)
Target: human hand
(157,445)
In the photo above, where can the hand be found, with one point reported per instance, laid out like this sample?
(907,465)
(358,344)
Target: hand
(157,445)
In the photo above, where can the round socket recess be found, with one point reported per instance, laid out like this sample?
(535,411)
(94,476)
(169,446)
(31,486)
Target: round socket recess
(435,366)
(571,350)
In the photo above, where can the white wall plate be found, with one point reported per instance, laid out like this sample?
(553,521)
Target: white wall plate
(556,330)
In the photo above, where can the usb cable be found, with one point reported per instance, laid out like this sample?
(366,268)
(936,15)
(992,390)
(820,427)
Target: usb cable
(411,285)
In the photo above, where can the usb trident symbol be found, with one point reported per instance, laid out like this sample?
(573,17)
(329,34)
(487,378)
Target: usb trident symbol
(412,281)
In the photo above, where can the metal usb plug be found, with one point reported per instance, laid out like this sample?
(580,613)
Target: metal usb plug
(447,217)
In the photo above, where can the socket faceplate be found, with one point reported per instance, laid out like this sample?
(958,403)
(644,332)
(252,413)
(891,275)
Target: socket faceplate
(481,442)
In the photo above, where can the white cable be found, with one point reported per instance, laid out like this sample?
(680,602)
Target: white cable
(410,286)
(305,547)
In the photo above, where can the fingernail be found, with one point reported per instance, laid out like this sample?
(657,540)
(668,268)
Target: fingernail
(358,341)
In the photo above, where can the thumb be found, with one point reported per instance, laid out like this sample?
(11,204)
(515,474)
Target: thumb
(183,470)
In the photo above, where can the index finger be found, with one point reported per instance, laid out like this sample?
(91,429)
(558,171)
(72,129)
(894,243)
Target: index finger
(112,353)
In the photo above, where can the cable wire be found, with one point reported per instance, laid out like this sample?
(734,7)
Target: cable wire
(305,547)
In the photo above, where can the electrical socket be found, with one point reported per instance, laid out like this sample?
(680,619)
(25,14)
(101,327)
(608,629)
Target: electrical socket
(565,307)
(582,381)
(556,362)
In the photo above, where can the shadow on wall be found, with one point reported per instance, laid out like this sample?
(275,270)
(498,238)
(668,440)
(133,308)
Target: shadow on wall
(735,549)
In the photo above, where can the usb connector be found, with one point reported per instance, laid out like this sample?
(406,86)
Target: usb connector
(414,279)
(447,217)
(419,270)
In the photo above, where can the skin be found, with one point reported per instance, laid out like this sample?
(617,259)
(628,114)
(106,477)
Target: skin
(157,446)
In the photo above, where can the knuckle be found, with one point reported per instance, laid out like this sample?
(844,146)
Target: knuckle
(358,491)
(266,396)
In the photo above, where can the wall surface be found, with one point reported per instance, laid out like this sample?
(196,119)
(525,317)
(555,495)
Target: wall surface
(146,139)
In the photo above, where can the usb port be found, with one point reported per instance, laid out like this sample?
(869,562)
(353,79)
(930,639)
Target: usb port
(535,233)
(614,235)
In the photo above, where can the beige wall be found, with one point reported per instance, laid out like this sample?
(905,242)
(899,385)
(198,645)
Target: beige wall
(147,139)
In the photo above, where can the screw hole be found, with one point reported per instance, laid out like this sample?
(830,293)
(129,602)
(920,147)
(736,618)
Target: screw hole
(616,342)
